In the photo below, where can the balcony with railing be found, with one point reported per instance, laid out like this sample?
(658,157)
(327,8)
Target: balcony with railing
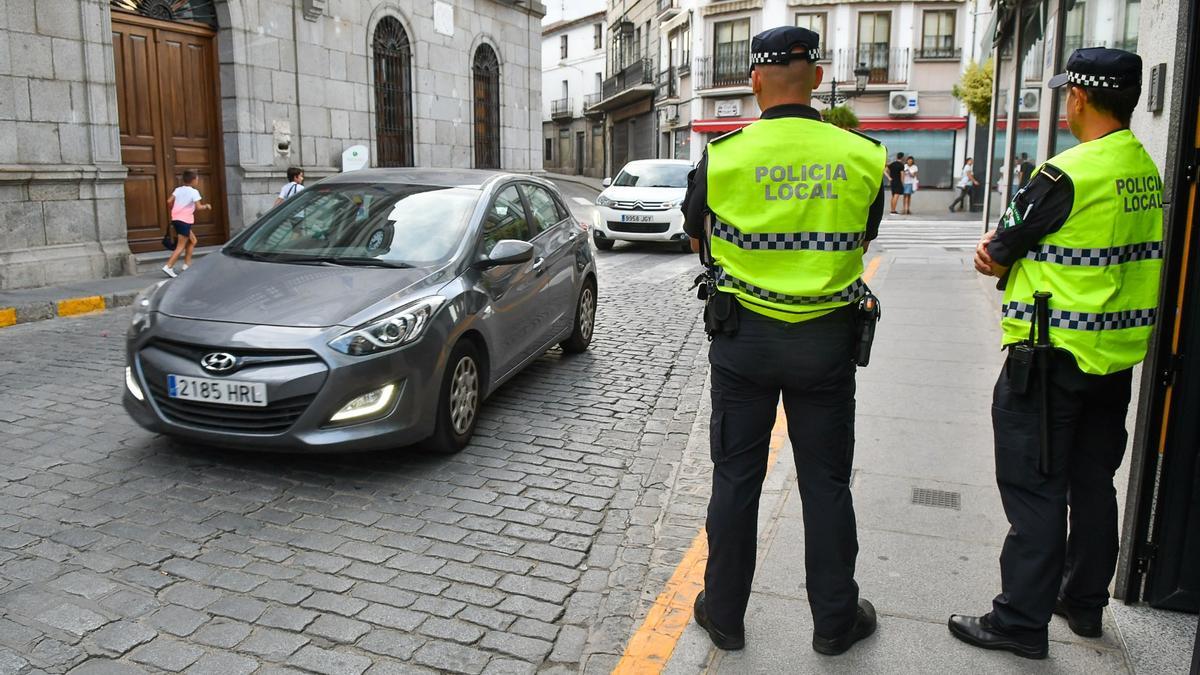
(562,108)
(635,81)
(729,69)
(884,64)
(589,104)
(668,84)
(937,54)
(667,9)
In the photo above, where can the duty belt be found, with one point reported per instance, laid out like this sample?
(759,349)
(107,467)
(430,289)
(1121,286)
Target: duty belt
(789,241)
(854,291)
(1132,318)
(1096,257)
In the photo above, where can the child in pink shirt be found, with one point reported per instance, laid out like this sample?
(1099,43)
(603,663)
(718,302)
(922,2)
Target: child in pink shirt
(184,202)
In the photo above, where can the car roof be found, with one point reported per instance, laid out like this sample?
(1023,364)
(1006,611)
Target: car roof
(471,178)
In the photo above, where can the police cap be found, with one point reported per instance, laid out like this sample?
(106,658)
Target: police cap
(1100,68)
(774,46)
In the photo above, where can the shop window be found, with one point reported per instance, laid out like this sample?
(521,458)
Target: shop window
(874,44)
(937,34)
(683,145)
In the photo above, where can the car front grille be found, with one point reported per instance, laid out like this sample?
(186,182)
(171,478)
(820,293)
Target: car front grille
(639,228)
(639,206)
(277,417)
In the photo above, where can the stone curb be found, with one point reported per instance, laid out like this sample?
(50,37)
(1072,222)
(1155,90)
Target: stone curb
(43,310)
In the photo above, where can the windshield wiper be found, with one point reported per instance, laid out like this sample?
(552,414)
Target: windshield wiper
(670,186)
(252,255)
(363,262)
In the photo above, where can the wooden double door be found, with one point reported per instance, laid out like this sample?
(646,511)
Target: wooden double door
(170,122)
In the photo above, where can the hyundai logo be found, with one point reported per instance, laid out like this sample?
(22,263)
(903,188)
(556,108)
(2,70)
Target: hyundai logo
(218,362)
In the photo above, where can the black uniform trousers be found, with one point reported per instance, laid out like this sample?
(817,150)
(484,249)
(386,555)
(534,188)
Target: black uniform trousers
(810,363)
(1042,560)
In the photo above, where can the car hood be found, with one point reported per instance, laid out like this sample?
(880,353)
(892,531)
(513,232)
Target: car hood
(220,287)
(647,194)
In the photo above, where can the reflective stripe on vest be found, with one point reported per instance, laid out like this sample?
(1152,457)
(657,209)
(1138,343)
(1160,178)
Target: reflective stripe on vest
(791,197)
(1102,267)
(1096,257)
(854,291)
(790,241)
(1132,318)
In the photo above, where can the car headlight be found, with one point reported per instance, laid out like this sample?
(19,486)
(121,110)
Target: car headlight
(142,315)
(674,203)
(370,403)
(603,201)
(401,327)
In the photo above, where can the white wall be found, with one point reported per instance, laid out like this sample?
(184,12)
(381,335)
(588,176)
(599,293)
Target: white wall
(583,59)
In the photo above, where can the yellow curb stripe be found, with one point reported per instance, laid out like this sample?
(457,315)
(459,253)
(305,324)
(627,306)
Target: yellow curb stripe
(8,316)
(654,641)
(73,306)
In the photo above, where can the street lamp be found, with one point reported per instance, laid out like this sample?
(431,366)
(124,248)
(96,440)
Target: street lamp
(861,74)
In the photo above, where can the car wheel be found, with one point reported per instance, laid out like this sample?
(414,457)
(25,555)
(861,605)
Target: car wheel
(603,244)
(585,321)
(459,401)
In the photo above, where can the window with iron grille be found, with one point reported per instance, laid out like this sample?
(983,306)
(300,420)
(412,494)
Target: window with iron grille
(393,94)
(731,51)
(937,35)
(874,43)
(562,46)
(597,36)
(200,11)
(486,71)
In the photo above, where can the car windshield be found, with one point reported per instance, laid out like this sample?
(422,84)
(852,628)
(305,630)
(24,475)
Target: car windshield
(385,225)
(653,175)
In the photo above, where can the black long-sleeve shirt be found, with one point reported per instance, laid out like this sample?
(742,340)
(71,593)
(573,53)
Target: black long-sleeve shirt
(1038,210)
(695,202)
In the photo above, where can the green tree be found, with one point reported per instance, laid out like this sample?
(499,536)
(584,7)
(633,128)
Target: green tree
(841,116)
(974,89)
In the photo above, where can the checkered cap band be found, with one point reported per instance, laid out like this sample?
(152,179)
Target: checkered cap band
(851,293)
(781,58)
(1097,257)
(1132,318)
(789,241)
(1102,81)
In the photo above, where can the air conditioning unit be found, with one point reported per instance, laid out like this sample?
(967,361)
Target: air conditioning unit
(668,114)
(1030,100)
(903,103)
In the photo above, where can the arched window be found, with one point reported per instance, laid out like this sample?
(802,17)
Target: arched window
(201,11)
(393,94)
(486,70)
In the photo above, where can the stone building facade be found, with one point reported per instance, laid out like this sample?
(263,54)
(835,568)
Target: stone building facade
(103,103)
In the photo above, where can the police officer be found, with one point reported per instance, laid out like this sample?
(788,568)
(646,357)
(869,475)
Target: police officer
(787,206)
(1087,229)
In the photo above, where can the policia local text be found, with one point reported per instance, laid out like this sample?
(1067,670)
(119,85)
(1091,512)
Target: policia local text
(1140,193)
(806,181)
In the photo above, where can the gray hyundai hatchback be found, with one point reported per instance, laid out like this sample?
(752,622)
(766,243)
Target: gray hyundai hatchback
(375,309)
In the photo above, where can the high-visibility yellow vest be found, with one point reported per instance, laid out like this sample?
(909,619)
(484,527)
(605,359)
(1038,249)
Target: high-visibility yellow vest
(1103,265)
(790,198)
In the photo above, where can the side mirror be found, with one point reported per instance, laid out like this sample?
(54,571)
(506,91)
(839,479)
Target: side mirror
(507,252)
(606,182)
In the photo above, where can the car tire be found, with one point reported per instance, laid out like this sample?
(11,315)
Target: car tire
(603,244)
(585,321)
(459,400)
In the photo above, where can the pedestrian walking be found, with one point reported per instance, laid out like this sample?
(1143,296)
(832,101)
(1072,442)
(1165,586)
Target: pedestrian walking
(184,202)
(1087,229)
(784,209)
(1027,168)
(966,183)
(909,181)
(294,185)
(895,173)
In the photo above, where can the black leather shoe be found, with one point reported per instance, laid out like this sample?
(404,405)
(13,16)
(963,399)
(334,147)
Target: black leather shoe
(864,625)
(979,632)
(719,638)
(1082,623)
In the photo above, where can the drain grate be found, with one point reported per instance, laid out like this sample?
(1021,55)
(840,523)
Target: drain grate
(937,498)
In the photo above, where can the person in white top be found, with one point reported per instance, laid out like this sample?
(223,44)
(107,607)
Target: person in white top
(294,185)
(909,178)
(184,202)
(966,183)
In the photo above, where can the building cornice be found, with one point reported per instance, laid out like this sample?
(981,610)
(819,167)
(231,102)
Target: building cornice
(530,7)
(597,17)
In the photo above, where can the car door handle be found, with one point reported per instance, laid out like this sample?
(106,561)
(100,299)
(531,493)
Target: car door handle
(538,265)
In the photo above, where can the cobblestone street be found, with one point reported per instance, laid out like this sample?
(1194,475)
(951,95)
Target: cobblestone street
(532,549)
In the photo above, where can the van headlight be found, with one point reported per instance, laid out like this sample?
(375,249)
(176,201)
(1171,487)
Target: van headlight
(396,329)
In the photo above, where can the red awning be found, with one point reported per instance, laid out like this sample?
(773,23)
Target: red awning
(723,124)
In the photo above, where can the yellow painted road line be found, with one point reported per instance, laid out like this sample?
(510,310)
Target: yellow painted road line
(8,316)
(73,306)
(652,644)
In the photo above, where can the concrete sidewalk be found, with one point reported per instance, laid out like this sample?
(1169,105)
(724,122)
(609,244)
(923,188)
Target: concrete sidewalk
(923,425)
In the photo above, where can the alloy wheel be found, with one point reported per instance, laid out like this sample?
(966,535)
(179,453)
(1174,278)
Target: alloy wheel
(587,313)
(464,395)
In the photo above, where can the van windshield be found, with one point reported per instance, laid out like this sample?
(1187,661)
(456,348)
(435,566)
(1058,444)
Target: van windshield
(363,224)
